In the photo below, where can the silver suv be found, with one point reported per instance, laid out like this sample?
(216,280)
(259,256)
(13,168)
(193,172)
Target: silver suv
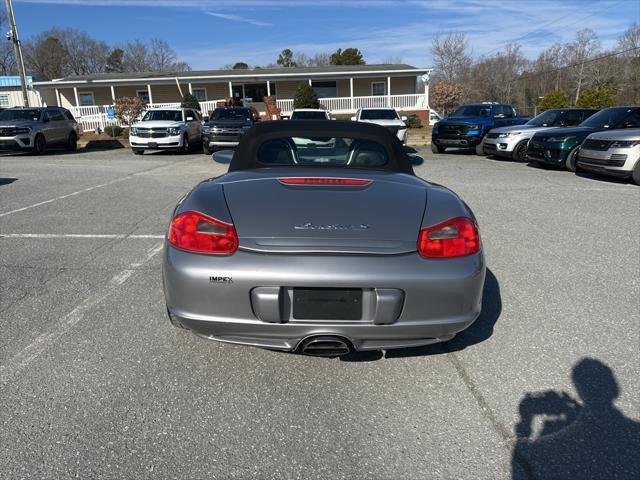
(615,153)
(36,128)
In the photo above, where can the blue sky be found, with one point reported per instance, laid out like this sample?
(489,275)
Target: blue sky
(212,33)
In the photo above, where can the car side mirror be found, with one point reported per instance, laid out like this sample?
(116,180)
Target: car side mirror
(189,119)
(353,119)
(403,118)
(222,156)
(416,159)
(205,119)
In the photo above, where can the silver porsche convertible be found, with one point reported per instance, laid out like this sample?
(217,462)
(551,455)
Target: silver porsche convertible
(321,240)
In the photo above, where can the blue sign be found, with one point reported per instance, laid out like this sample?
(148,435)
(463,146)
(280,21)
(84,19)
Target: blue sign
(111,115)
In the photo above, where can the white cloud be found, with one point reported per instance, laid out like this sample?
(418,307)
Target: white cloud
(238,18)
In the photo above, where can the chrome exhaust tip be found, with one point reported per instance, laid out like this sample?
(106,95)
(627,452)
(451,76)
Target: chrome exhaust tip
(325,346)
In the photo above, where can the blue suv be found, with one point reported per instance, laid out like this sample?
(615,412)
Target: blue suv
(467,126)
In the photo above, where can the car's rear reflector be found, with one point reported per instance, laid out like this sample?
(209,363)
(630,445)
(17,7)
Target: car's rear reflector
(456,237)
(195,232)
(324,181)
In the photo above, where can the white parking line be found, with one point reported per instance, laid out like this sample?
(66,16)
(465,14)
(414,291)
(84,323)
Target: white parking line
(77,235)
(29,353)
(84,190)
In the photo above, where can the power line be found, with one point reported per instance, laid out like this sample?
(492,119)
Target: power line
(595,59)
(541,27)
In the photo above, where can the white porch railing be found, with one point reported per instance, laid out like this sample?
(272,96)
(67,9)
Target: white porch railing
(94,117)
(415,101)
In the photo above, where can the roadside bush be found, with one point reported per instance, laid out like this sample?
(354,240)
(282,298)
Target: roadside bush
(596,98)
(554,99)
(125,133)
(113,130)
(413,121)
(128,109)
(190,101)
(305,97)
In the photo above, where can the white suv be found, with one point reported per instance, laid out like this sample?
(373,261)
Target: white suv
(309,114)
(166,129)
(386,117)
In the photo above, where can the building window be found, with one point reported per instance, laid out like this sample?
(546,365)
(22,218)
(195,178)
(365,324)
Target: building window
(378,88)
(86,99)
(200,94)
(143,95)
(4,100)
(325,89)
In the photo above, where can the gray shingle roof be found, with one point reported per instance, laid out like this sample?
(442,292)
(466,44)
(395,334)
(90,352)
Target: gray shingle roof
(252,72)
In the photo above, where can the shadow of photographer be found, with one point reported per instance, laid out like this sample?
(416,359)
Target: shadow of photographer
(559,437)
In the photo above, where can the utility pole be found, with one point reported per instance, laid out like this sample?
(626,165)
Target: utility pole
(13,36)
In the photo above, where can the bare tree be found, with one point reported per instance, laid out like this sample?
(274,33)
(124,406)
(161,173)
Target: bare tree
(7,53)
(136,57)
(585,46)
(162,57)
(47,58)
(300,59)
(392,60)
(320,60)
(450,56)
(629,42)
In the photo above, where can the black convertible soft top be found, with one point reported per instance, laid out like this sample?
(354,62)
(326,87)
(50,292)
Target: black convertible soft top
(246,153)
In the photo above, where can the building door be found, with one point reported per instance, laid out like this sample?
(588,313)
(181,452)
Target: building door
(238,93)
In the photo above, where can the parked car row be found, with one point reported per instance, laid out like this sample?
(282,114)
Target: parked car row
(602,141)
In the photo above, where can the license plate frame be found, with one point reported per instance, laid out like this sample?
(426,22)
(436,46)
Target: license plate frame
(338,304)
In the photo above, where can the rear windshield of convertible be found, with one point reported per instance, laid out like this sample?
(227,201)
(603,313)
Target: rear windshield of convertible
(312,151)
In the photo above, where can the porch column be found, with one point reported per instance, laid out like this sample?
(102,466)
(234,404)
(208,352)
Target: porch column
(149,91)
(58,97)
(268,88)
(388,91)
(190,89)
(310,83)
(426,95)
(113,94)
(351,93)
(230,90)
(75,94)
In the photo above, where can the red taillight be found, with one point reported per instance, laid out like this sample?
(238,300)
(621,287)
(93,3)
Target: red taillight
(454,238)
(196,232)
(323,181)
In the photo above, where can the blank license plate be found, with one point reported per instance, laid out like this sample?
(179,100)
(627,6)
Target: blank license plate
(327,303)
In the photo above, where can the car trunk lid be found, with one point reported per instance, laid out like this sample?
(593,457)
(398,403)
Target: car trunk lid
(381,216)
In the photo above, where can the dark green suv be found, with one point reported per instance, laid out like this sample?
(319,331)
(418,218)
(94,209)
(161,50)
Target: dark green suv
(559,146)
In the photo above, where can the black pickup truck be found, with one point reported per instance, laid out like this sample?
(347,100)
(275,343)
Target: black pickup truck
(225,127)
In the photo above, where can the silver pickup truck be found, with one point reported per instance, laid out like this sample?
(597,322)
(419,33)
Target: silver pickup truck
(34,129)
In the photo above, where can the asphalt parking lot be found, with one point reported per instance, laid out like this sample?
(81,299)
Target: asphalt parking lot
(95,383)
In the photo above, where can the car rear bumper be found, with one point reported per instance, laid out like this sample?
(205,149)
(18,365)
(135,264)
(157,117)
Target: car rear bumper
(407,300)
